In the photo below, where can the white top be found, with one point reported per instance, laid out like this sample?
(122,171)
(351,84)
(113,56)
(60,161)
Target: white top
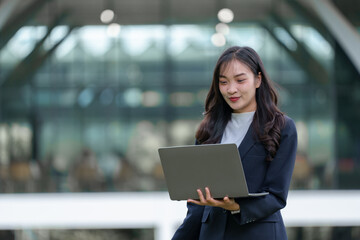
(237,127)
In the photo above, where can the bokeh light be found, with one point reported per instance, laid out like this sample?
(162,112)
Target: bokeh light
(107,15)
(218,39)
(113,30)
(225,15)
(222,28)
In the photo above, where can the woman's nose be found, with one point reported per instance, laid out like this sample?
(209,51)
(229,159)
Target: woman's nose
(232,89)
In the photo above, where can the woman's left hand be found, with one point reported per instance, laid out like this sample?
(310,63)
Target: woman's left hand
(226,203)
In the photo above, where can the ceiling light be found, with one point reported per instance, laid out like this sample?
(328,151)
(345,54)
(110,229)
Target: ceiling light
(107,16)
(218,39)
(225,15)
(222,28)
(113,29)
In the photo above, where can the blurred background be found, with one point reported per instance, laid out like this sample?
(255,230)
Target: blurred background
(89,89)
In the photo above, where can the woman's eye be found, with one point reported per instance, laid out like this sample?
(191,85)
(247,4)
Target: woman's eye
(240,80)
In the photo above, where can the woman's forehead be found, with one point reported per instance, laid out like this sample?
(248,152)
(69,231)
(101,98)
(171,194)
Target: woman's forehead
(234,66)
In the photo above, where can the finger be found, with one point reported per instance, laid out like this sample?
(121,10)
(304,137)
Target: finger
(194,201)
(201,196)
(226,199)
(210,200)
(208,194)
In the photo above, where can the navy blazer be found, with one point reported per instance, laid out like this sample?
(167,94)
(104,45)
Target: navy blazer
(260,217)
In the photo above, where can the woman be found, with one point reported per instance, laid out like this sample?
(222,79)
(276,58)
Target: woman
(241,107)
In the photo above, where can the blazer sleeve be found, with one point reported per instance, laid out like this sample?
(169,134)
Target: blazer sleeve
(276,181)
(190,228)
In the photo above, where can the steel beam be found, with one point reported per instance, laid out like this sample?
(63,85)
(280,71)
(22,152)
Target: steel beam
(16,22)
(302,56)
(343,31)
(310,17)
(29,65)
(6,10)
(299,58)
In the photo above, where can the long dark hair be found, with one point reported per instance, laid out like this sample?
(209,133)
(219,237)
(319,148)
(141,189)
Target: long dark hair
(268,119)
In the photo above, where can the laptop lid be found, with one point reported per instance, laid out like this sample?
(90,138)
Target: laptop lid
(217,166)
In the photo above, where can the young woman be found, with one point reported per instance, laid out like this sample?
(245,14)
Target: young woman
(241,107)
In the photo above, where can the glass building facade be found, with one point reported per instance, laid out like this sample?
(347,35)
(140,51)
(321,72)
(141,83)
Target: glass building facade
(92,116)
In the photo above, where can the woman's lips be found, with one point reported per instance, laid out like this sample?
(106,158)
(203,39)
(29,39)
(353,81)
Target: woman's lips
(234,99)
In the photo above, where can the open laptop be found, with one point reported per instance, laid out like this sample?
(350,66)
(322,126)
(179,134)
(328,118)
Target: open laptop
(217,166)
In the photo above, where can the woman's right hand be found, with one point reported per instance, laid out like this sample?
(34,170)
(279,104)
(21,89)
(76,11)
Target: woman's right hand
(226,203)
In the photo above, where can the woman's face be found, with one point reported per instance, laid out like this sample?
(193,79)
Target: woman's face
(238,85)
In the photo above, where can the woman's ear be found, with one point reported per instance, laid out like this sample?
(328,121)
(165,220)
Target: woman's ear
(258,80)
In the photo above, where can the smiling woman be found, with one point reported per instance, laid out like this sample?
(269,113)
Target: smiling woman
(237,85)
(241,108)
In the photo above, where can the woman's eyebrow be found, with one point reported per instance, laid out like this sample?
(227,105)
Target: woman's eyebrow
(237,75)
(240,74)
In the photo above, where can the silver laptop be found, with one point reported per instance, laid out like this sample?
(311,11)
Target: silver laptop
(217,166)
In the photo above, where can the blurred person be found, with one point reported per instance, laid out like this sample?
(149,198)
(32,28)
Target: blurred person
(241,107)
(127,178)
(118,173)
(302,176)
(86,172)
(20,175)
(54,171)
(109,165)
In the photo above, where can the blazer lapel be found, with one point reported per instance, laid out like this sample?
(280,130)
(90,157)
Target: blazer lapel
(248,141)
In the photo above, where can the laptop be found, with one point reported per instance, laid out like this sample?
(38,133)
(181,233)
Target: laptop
(217,166)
